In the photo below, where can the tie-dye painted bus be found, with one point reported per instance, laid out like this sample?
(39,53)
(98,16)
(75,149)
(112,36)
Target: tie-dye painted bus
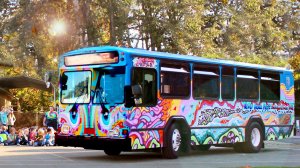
(123,99)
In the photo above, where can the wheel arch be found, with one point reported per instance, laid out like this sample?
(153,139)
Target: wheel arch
(181,121)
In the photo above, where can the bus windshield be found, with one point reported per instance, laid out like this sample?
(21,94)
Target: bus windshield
(75,87)
(110,86)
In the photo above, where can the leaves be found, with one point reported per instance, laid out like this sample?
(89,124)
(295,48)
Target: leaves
(262,31)
(32,100)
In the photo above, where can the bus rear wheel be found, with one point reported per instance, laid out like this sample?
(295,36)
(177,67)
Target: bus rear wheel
(254,138)
(173,142)
(112,152)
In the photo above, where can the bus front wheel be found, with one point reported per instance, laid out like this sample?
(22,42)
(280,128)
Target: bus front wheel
(173,142)
(254,138)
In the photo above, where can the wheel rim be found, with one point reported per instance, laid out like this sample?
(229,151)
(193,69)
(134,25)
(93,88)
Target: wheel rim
(255,137)
(176,139)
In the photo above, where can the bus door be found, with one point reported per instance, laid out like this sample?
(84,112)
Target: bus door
(144,86)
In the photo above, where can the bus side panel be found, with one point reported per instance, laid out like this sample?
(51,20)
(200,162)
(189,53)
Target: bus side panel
(211,122)
(287,93)
(202,116)
(146,126)
(225,122)
(275,133)
(146,139)
(146,123)
(215,122)
(205,136)
(284,110)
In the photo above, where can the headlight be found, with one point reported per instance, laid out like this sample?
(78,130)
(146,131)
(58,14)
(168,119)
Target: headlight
(65,129)
(113,133)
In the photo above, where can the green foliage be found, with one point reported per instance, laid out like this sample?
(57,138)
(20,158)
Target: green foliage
(295,61)
(243,30)
(32,100)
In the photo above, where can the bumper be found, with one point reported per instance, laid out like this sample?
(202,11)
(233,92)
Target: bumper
(93,142)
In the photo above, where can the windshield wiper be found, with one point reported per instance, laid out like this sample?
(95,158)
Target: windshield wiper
(73,110)
(100,94)
(99,91)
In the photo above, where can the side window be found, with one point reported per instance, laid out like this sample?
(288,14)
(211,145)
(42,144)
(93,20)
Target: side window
(269,86)
(175,79)
(206,82)
(247,84)
(144,86)
(227,83)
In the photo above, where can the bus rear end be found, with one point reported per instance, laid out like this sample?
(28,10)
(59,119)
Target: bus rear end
(91,112)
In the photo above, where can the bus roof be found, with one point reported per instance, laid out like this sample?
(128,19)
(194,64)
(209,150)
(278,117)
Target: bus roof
(165,55)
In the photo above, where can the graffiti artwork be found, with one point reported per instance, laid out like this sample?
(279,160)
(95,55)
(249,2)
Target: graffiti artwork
(199,114)
(210,121)
(144,62)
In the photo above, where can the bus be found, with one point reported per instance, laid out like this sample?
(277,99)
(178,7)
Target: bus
(124,99)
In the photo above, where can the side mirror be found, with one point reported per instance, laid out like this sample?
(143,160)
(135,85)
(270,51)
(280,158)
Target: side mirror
(129,101)
(64,87)
(48,77)
(136,90)
(137,94)
(63,81)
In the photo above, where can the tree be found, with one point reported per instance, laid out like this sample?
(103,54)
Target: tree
(262,31)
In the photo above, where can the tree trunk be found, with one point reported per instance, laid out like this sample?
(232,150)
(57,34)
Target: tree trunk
(112,24)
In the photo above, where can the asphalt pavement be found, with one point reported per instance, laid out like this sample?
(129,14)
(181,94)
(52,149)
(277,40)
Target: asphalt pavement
(282,153)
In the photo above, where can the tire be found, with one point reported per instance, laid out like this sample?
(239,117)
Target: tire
(173,141)
(254,138)
(112,152)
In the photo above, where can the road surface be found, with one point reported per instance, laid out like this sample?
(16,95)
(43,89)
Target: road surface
(278,154)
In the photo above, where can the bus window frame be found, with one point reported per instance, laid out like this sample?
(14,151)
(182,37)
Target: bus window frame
(154,82)
(60,97)
(193,83)
(234,82)
(269,72)
(189,80)
(258,84)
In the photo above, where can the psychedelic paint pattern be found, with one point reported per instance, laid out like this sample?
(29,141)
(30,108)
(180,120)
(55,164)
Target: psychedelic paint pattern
(145,62)
(201,115)
(211,122)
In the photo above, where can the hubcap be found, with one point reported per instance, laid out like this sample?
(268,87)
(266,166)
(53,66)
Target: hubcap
(176,139)
(255,137)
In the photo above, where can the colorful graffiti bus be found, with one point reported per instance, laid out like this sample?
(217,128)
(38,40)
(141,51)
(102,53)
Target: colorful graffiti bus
(123,99)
